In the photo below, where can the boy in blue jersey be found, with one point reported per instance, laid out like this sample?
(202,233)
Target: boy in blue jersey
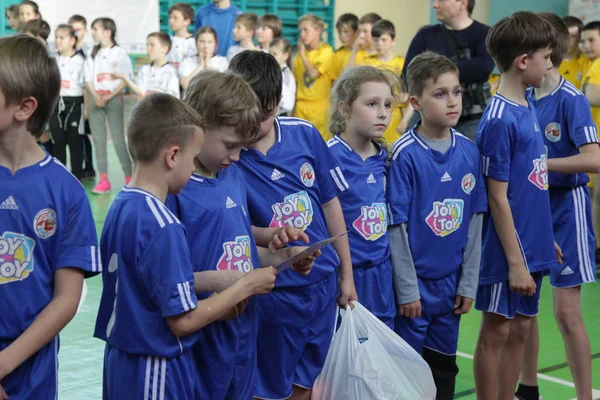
(149,312)
(48,240)
(569,134)
(212,207)
(293,180)
(362,100)
(436,197)
(518,242)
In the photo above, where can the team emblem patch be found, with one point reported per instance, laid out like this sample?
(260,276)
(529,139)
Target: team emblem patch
(44,223)
(307,174)
(553,132)
(468,183)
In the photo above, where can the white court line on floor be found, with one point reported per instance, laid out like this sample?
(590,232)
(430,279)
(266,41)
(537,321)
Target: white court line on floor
(543,377)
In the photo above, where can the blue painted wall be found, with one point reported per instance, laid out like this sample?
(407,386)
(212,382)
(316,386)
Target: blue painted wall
(502,8)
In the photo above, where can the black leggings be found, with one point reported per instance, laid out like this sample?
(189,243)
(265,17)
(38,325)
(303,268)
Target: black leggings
(65,125)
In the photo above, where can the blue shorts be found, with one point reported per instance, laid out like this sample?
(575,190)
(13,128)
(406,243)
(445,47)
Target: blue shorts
(375,289)
(225,356)
(437,327)
(294,334)
(574,233)
(37,377)
(131,376)
(499,299)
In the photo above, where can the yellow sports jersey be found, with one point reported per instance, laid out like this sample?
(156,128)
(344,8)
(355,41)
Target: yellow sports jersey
(572,70)
(494,82)
(591,76)
(395,65)
(340,59)
(312,95)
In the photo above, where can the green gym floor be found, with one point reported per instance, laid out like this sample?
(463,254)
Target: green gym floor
(81,355)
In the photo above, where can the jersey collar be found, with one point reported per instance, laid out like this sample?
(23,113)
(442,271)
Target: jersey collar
(347,145)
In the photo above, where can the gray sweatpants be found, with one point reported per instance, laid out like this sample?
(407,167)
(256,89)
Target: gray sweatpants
(113,111)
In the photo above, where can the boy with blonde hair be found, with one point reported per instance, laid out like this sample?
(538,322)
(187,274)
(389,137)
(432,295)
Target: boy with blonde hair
(312,70)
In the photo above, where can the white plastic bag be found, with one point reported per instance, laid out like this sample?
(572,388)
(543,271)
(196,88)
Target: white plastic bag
(368,361)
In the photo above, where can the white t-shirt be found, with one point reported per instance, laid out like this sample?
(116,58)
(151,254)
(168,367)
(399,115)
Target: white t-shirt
(180,49)
(189,64)
(163,79)
(288,92)
(108,60)
(72,79)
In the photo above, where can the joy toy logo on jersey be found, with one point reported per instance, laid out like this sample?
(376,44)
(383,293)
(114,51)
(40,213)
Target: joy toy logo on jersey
(372,222)
(237,255)
(295,210)
(539,175)
(16,257)
(446,216)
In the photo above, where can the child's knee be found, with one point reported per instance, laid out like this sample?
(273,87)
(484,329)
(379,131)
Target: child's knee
(519,328)
(568,319)
(494,334)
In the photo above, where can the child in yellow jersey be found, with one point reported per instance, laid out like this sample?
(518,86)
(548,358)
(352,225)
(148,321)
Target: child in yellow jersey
(590,86)
(572,67)
(364,46)
(312,70)
(347,28)
(384,39)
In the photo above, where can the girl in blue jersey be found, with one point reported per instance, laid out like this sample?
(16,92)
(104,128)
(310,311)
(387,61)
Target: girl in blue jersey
(362,100)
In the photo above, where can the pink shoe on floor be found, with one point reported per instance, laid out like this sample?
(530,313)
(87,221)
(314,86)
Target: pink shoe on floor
(127,180)
(103,185)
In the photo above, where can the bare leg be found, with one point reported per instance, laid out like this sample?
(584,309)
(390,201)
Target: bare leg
(511,357)
(493,334)
(567,310)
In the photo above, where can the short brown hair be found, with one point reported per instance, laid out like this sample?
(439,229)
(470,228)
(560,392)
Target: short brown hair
(425,66)
(369,18)
(562,37)
(522,32)
(162,37)
(14,10)
(312,19)
(225,99)
(347,90)
(271,21)
(78,18)
(185,9)
(157,121)
(350,20)
(470,6)
(37,27)
(27,70)
(248,20)
(382,27)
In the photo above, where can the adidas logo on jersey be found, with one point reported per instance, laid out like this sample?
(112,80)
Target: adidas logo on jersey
(371,179)
(567,271)
(9,204)
(276,175)
(446,177)
(536,127)
(230,203)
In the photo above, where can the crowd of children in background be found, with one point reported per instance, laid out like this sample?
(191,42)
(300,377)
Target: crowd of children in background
(435,222)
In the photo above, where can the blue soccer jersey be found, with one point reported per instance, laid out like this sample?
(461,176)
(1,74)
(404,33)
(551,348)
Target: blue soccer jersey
(513,151)
(363,203)
(147,276)
(214,214)
(45,224)
(436,194)
(219,236)
(566,122)
(288,187)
